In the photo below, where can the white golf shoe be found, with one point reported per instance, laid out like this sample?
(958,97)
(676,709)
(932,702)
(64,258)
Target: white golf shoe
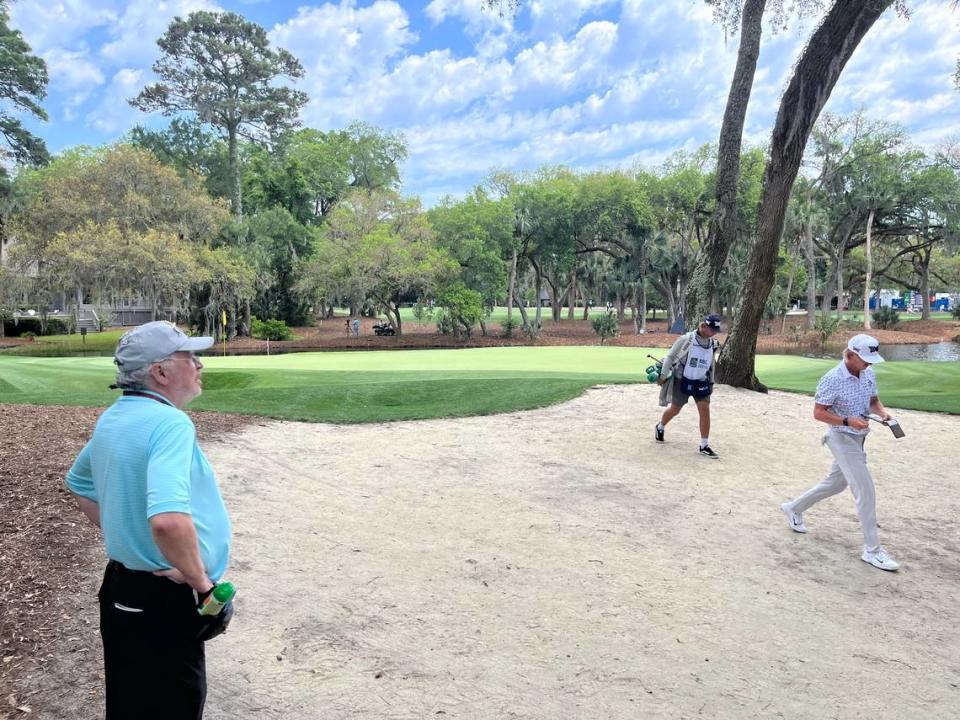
(880,559)
(794,519)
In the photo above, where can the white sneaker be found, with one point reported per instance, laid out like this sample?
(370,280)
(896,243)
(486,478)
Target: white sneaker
(880,559)
(794,519)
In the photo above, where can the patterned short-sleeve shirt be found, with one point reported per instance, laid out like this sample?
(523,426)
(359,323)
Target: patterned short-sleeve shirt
(847,395)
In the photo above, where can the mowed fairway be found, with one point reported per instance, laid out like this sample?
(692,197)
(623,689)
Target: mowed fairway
(410,385)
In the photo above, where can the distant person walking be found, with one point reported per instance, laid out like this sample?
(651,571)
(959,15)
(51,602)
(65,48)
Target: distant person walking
(144,480)
(687,372)
(356,327)
(844,396)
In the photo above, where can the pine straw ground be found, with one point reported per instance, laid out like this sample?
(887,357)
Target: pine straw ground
(50,661)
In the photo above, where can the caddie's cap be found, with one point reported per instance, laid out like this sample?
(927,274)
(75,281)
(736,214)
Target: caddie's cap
(712,321)
(153,342)
(867,347)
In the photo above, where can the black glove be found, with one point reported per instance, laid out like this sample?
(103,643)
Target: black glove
(212,625)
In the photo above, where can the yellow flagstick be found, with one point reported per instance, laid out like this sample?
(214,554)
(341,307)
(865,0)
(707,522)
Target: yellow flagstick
(223,318)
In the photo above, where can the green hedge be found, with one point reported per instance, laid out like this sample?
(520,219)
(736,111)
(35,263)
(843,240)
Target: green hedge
(55,326)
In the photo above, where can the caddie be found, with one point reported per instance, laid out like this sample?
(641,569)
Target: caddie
(687,372)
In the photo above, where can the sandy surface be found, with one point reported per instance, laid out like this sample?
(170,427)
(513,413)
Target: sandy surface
(560,564)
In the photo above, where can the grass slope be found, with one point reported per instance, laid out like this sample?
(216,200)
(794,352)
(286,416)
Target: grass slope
(379,386)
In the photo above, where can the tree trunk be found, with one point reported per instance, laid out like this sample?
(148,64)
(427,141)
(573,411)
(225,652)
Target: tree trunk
(830,287)
(523,311)
(814,77)
(245,324)
(723,225)
(572,294)
(233,161)
(867,280)
(539,288)
(394,309)
(783,325)
(925,283)
(78,295)
(513,284)
(811,276)
(840,303)
(643,306)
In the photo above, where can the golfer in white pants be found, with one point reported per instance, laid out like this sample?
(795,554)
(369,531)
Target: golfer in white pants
(844,396)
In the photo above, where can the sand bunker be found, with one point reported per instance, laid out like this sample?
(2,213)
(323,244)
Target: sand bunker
(560,564)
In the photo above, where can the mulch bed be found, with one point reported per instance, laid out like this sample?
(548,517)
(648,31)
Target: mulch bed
(330,335)
(50,661)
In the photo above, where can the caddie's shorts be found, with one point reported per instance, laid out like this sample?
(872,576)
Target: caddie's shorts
(679,397)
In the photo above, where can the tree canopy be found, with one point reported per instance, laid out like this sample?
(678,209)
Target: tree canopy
(220,67)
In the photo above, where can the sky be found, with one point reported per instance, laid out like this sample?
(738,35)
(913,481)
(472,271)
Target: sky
(583,83)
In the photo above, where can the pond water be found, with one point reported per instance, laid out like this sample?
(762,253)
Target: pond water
(923,352)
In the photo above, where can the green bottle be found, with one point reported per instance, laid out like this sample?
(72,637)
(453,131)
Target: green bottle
(214,602)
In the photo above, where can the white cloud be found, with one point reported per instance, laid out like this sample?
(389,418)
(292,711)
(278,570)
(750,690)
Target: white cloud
(114,114)
(47,25)
(567,65)
(72,69)
(477,20)
(340,44)
(587,83)
(135,32)
(558,17)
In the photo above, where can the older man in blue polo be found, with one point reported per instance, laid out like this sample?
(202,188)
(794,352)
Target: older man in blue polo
(144,480)
(844,396)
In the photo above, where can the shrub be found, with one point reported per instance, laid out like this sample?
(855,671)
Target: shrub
(55,326)
(422,312)
(270,329)
(461,309)
(606,326)
(29,335)
(508,327)
(886,318)
(826,325)
(956,312)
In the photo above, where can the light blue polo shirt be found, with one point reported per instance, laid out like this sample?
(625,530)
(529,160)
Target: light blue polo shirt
(142,460)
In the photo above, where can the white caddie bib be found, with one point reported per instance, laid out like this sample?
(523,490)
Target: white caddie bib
(699,360)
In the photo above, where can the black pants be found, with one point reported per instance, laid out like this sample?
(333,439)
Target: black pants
(153,662)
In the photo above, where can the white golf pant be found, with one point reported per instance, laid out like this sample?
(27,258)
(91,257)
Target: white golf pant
(849,468)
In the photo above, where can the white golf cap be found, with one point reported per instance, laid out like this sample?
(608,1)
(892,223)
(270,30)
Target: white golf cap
(867,347)
(153,342)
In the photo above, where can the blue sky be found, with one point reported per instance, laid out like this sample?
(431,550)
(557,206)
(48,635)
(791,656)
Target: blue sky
(585,83)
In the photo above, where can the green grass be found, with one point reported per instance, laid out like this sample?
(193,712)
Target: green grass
(933,387)
(379,386)
(56,345)
(904,315)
